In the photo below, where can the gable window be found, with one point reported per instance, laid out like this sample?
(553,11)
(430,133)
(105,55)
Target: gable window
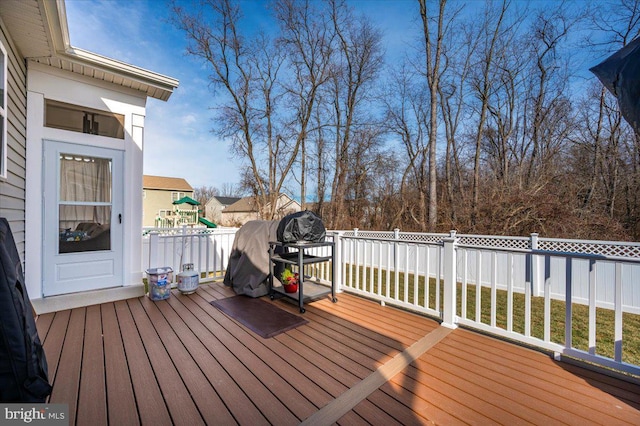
(75,118)
(3,112)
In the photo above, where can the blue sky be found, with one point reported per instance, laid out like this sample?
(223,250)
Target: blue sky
(178,137)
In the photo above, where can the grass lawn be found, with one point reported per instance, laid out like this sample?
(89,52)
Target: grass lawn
(605,318)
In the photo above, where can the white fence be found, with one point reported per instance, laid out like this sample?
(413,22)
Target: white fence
(545,270)
(207,249)
(516,288)
(524,286)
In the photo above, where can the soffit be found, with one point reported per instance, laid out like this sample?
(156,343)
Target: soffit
(24,20)
(39,30)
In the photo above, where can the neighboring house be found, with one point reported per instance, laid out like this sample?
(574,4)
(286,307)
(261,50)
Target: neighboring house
(159,197)
(71,125)
(214,207)
(245,209)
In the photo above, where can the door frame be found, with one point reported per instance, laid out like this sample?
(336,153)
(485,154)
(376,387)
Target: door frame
(62,273)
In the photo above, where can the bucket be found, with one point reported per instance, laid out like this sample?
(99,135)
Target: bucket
(159,282)
(188,279)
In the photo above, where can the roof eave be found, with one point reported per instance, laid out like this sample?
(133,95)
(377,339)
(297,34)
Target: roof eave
(160,86)
(153,84)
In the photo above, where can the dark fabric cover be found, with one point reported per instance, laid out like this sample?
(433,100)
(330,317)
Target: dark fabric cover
(248,268)
(23,365)
(301,226)
(620,74)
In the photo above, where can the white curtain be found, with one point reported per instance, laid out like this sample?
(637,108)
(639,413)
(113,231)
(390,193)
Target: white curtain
(86,180)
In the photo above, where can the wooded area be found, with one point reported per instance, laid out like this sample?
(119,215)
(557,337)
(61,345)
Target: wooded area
(490,124)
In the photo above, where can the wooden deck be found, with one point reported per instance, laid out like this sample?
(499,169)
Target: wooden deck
(182,361)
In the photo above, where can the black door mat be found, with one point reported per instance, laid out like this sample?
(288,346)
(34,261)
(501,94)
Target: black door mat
(261,317)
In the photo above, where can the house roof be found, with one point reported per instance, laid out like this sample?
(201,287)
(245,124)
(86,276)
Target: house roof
(40,32)
(165,183)
(246,204)
(227,201)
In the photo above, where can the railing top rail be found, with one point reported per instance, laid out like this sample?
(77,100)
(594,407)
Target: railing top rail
(174,232)
(609,249)
(589,256)
(575,255)
(393,240)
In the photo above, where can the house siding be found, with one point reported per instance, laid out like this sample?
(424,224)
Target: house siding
(13,188)
(156,200)
(213,210)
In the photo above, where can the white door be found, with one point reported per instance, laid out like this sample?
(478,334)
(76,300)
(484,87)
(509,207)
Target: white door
(82,218)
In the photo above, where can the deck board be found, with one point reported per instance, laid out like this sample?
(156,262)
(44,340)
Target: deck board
(178,349)
(182,361)
(43,324)
(176,395)
(149,398)
(66,382)
(528,381)
(268,358)
(121,402)
(213,339)
(54,340)
(92,402)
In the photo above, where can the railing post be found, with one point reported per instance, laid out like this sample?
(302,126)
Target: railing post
(396,261)
(338,261)
(183,247)
(536,287)
(450,282)
(154,242)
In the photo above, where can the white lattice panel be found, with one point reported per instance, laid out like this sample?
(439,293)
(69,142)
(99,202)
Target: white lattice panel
(591,247)
(423,238)
(370,234)
(495,242)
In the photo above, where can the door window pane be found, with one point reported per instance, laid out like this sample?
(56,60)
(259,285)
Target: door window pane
(84,204)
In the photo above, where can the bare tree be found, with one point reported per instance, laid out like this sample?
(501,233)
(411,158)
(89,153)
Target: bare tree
(247,72)
(456,65)
(490,32)
(605,142)
(202,194)
(433,56)
(548,107)
(406,107)
(307,38)
(228,189)
(358,65)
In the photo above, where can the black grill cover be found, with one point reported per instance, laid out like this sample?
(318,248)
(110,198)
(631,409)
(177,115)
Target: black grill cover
(23,364)
(303,226)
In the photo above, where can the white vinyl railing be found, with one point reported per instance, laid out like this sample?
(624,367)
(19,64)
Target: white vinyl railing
(578,304)
(397,271)
(207,249)
(575,298)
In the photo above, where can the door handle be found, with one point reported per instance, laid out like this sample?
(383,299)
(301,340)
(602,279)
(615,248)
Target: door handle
(120,218)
